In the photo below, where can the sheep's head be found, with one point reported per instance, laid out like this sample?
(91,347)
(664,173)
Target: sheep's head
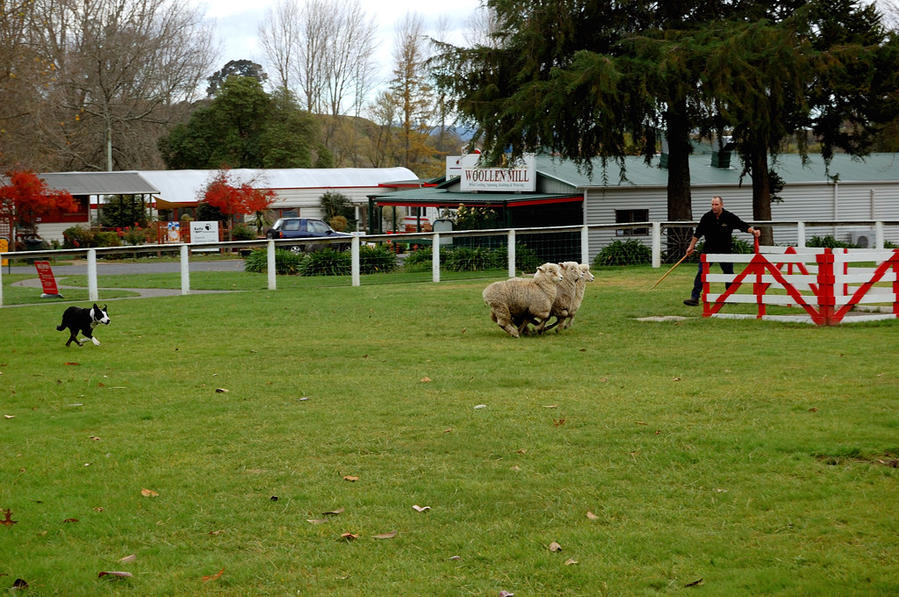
(552,270)
(585,272)
(570,270)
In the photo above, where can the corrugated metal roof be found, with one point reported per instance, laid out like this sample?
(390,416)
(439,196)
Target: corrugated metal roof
(185,186)
(97,183)
(878,167)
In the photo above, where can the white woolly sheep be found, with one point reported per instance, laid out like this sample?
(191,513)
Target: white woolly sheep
(523,299)
(580,289)
(565,295)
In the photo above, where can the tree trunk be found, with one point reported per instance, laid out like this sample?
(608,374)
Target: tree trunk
(680,205)
(761,192)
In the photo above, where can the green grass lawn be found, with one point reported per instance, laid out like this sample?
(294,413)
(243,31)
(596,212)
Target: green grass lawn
(758,457)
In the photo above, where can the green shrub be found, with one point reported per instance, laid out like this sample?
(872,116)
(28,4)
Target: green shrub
(419,260)
(377,259)
(828,242)
(465,259)
(326,262)
(286,262)
(526,259)
(630,252)
(242,232)
(77,237)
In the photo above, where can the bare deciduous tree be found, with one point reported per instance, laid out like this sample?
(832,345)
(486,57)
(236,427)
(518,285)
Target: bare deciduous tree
(279,32)
(120,66)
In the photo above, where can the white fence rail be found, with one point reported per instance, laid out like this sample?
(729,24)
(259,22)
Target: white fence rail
(585,253)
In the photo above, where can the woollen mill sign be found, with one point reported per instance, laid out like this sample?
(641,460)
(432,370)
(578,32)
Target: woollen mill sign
(520,175)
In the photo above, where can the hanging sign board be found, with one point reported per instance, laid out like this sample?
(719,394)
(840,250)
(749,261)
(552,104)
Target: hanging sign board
(48,282)
(520,175)
(4,247)
(204,232)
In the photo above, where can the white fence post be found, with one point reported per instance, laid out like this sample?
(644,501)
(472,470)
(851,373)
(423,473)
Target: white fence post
(585,244)
(185,270)
(656,244)
(878,234)
(435,257)
(270,265)
(354,257)
(511,250)
(1,282)
(800,235)
(92,293)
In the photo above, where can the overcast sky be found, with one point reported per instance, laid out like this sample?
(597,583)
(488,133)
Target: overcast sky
(237,25)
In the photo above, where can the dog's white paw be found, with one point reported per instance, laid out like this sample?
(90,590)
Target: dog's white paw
(95,341)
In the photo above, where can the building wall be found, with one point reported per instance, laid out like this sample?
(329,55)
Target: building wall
(804,202)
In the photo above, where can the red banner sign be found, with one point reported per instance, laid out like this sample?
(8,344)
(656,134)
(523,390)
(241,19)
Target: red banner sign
(48,282)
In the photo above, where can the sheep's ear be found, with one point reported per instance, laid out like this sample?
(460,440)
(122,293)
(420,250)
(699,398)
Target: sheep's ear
(541,269)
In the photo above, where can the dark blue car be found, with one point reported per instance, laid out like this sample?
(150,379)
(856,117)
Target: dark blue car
(308,228)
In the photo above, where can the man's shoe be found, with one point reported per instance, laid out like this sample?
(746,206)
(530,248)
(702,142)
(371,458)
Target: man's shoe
(691,302)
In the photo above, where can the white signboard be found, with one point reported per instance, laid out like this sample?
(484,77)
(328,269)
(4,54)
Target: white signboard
(518,176)
(204,232)
(453,166)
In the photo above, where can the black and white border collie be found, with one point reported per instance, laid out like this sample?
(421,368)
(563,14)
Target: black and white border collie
(79,319)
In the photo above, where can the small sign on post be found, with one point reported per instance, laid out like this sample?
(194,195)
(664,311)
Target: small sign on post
(48,282)
(4,247)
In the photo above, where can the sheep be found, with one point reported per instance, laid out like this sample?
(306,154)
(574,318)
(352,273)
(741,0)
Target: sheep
(580,289)
(565,294)
(522,300)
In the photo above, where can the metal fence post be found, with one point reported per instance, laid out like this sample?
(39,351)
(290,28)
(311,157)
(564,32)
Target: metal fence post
(585,244)
(354,256)
(800,235)
(270,265)
(435,257)
(656,244)
(185,270)
(92,292)
(511,247)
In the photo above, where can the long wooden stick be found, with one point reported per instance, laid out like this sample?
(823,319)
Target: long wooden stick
(668,272)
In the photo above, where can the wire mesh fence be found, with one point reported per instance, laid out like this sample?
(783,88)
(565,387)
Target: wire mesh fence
(154,270)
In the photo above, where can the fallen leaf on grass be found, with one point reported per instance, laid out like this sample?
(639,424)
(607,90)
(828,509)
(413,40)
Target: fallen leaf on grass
(70,520)
(214,576)
(642,423)
(73,364)
(98,508)
(316,520)
(221,390)
(555,547)
(333,512)
(506,594)
(9,416)
(455,557)
(418,508)
(218,532)
(551,406)
(349,537)
(128,559)
(425,380)
(115,573)
(95,438)
(592,516)
(694,583)
(149,493)
(676,379)
(570,562)
(480,406)
(389,535)
(8,521)
(350,478)
(558,422)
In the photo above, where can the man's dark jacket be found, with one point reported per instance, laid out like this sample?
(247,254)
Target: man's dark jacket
(717,230)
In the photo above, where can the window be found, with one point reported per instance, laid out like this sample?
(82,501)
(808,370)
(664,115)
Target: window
(626,216)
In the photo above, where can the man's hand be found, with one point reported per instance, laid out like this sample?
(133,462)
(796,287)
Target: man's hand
(754,231)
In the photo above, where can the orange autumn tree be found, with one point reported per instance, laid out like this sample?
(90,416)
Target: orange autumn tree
(233,200)
(27,199)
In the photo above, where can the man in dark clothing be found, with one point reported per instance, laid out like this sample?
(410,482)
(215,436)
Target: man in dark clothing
(716,226)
